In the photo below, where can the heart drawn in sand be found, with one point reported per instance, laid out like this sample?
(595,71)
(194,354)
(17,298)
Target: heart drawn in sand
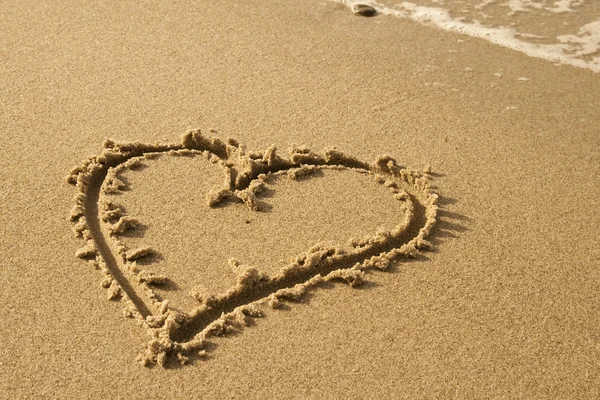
(178,306)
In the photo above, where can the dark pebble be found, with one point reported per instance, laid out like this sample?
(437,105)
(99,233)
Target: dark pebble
(364,10)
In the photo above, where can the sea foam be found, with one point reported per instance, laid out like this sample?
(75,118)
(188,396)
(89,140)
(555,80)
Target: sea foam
(556,33)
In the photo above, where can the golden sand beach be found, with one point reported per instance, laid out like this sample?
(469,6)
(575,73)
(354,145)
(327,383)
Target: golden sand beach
(288,200)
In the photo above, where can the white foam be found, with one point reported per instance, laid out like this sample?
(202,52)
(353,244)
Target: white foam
(559,6)
(588,39)
(568,49)
(522,5)
(565,5)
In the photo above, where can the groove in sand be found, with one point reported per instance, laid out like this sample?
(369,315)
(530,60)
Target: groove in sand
(181,335)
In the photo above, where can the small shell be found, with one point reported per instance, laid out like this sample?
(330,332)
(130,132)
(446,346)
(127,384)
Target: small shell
(364,10)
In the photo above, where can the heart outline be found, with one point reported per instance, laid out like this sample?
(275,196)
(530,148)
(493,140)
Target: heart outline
(177,335)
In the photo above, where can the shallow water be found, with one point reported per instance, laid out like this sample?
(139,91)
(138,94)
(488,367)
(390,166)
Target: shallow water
(560,31)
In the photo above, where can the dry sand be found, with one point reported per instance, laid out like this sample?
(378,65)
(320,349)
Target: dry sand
(505,305)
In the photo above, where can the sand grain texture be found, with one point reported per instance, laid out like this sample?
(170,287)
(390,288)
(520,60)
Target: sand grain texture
(506,304)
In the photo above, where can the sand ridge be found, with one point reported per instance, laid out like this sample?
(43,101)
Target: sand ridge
(178,334)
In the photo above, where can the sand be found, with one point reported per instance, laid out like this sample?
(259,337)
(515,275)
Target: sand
(294,202)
